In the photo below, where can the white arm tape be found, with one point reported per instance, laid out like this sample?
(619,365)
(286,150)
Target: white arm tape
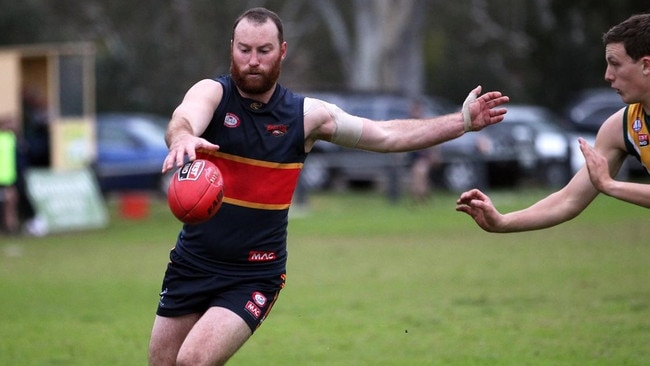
(348,127)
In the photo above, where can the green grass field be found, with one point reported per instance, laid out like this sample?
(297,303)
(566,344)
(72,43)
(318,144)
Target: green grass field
(369,283)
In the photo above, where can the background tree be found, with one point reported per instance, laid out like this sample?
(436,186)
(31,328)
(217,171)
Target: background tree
(151,51)
(380,47)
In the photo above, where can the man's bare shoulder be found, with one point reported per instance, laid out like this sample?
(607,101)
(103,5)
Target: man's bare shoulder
(610,134)
(318,119)
(208,84)
(205,91)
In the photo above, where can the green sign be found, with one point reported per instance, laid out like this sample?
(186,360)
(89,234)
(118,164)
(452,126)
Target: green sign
(66,200)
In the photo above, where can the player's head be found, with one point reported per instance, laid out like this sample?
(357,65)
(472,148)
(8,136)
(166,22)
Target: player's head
(633,33)
(257,50)
(627,53)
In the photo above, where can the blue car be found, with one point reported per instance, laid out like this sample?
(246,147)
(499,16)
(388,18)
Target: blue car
(130,151)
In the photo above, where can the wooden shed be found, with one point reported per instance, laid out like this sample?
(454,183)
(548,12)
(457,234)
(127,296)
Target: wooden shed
(50,90)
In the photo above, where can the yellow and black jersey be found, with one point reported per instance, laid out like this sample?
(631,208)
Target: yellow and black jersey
(636,134)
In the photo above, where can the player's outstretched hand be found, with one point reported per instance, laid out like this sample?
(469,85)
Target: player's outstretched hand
(596,165)
(481,110)
(479,206)
(185,145)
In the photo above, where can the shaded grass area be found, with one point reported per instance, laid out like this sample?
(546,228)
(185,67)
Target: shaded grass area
(368,283)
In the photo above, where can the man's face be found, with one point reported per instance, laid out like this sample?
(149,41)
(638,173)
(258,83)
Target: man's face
(256,57)
(624,74)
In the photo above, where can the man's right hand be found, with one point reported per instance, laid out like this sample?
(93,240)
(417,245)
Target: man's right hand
(479,206)
(182,146)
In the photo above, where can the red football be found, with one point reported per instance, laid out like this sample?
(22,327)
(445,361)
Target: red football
(195,192)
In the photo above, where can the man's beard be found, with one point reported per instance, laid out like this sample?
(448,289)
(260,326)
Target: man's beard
(262,83)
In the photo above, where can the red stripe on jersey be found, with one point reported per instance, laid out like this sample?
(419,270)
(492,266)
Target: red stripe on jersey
(255,183)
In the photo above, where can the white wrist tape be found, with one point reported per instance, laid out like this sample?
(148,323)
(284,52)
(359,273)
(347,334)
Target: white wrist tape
(467,118)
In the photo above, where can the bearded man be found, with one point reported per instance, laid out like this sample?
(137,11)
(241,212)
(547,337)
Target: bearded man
(225,275)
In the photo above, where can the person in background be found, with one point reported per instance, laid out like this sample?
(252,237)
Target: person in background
(626,132)
(8,175)
(422,162)
(225,275)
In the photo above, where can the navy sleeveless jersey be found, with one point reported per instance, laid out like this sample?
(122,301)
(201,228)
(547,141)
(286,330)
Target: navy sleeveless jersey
(262,150)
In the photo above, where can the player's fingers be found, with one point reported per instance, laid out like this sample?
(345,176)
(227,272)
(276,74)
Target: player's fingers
(471,194)
(180,158)
(207,146)
(168,163)
(494,99)
(585,148)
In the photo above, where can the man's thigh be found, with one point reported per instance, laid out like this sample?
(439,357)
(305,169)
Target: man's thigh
(215,337)
(167,337)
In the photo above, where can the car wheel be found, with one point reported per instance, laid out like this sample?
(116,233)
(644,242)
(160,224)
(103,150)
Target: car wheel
(461,175)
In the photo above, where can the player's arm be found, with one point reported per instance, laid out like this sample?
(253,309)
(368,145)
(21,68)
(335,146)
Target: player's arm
(601,171)
(552,210)
(328,122)
(189,120)
(559,207)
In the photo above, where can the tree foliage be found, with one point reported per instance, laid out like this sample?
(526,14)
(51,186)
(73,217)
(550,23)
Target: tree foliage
(151,51)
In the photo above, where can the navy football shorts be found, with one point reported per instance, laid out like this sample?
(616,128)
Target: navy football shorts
(188,290)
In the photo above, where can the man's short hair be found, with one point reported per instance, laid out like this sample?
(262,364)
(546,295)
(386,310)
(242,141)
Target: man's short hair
(633,33)
(260,16)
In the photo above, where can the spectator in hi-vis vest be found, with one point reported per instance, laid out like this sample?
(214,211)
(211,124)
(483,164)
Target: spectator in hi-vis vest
(8,175)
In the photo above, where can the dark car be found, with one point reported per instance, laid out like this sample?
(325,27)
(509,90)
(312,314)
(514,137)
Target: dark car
(550,159)
(591,107)
(586,113)
(494,156)
(130,151)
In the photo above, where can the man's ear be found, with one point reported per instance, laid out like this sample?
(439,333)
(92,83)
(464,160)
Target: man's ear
(283,50)
(645,65)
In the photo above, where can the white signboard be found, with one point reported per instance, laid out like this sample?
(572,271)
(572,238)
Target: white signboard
(66,200)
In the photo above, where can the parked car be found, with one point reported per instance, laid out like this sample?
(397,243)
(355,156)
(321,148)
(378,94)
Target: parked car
(130,151)
(591,107)
(585,114)
(550,161)
(480,159)
(529,142)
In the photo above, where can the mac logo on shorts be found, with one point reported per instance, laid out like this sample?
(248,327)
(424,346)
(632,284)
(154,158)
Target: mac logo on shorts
(253,310)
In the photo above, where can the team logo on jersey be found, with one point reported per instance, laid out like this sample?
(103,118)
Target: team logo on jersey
(231,120)
(253,309)
(256,105)
(277,130)
(259,299)
(636,125)
(643,140)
